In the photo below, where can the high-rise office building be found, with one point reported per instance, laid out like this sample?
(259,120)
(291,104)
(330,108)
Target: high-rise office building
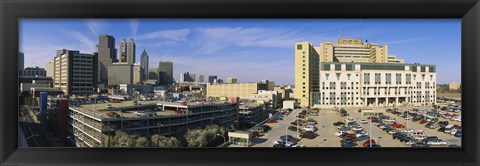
(187,77)
(211,79)
(33,72)
(353,73)
(144,63)
(137,73)
(201,78)
(107,54)
(120,73)
(306,72)
(75,72)
(131,50)
(21,61)
(123,50)
(165,73)
(232,80)
(50,68)
(153,74)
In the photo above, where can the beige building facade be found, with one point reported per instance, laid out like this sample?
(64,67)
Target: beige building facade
(354,73)
(375,84)
(242,90)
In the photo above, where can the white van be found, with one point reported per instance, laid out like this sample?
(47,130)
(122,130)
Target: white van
(448,128)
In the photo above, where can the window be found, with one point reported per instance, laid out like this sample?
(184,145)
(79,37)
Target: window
(366,78)
(299,47)
(398,78)
(377,78)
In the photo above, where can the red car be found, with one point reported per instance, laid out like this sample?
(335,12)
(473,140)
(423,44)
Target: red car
(367,143)
(458,127)
(271,121)
(255,134)
(423,121)
(398,126)
(349,136)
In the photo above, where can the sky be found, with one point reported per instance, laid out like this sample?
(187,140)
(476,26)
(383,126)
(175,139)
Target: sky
(249,49)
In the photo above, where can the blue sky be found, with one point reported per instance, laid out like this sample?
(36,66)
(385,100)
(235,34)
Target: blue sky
(249,49)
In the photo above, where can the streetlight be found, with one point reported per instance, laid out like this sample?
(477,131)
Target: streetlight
(378,143)
(224,139)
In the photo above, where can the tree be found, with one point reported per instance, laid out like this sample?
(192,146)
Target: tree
(196,138)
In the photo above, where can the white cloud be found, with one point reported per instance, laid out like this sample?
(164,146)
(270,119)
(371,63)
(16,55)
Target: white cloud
(162,43)
(243,67)
(134,27)
(87,44)
(96,26)
(174,35)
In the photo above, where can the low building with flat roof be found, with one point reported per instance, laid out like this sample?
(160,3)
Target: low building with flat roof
(91,123)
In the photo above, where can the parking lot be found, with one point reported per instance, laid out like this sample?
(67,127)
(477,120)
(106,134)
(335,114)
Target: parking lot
(326,130)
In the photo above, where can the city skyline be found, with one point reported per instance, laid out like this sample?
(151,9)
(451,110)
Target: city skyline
(238,48)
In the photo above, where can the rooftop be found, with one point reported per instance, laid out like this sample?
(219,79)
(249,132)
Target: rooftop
(100,110)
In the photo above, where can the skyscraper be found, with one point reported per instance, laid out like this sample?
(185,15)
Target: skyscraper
(131,49)
(144,63)
(50,68)
(211,79)
(123,51)
(187,77)
(201,78)
(107,54)
(75,72)
(21,61)
(165,73)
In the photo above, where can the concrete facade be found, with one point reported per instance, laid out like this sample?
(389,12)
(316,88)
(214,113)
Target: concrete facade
(120,73)
(454,86)
(33,71)
(107,54)
(75,72)
(242,90)
(165,73)
(137,74)
(309,59)
(375,84)
(232,80)
(49,67)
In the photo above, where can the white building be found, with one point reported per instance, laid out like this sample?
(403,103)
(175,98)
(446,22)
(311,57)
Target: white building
(374,84)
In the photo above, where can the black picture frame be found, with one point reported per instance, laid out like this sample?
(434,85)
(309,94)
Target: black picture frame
(11,11)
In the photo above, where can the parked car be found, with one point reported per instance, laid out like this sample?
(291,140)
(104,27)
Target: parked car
(338,123)
(292,128)
(423,121)
(362,138)
(311,122)
(458,134)
(437,142)
(420,145)
(344,128)
(308,135)
(310,128)
(357,128)
(363,121)
(112,114)
(390,120)
(348,144)
(367,143)
(340,133)
(258,129)
(348,120)
(109,106)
